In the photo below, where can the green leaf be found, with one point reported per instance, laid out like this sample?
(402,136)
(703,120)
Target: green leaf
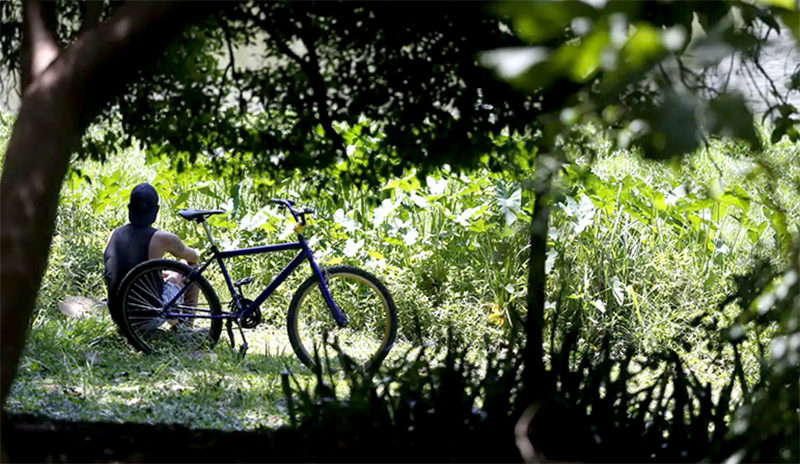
(181,200)
(466,215)
(587,60)
(509,202)
(718,211)
(792,21)
(778,221)
(538,21)
(393,241)
(351,247)
(732,118)
(550,260)
(480,226)
(410,237)
(391,184)
(755,233)
(584,214)
(643,46)
(790,5)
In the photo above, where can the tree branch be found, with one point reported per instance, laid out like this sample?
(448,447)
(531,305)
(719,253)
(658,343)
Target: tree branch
(310,68)
(318,84)
(39,40)
(231,66)
(91,10)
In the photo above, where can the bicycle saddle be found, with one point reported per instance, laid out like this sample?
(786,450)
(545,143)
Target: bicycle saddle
(199,215)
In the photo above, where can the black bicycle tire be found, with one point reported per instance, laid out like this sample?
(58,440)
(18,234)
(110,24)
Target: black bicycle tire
(291,318)
(149,266)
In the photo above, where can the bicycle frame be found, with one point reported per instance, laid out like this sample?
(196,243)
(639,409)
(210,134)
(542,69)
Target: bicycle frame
(218,256)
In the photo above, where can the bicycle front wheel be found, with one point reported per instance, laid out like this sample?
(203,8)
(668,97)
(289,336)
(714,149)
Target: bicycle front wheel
(368,307)
(150,325)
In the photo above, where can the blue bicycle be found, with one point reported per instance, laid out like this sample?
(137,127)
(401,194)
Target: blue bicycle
(165,304)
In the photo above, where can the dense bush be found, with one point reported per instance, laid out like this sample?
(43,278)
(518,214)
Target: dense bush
(592,405)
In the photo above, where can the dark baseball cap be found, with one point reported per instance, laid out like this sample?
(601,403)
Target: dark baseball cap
(143,207)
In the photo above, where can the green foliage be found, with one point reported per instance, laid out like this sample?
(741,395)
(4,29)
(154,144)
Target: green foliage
(631,264)
(602,407)
(641,67)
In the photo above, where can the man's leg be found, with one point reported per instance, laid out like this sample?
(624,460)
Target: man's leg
(190,297)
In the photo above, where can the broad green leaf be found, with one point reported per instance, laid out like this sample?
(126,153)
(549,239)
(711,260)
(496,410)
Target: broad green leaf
(391,184)
(466,215)
(509,202)
(755,233)
(790,5)
(379,214)
(587,61)
(539,21)
(420,201)
(550,260)
(778,221)
(792,21)
(711,279)
(345,221)
(718,211)
(181,200)
(735,200)
(410,237)
(392,241)
(658,201)
(436,186)
(643,46)
(697,205)
(351,247)
(584,215)
(480,226)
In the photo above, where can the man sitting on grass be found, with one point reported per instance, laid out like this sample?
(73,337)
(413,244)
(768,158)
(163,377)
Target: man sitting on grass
(137,242)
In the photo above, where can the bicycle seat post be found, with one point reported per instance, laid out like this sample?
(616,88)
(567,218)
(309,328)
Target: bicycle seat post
(208,234)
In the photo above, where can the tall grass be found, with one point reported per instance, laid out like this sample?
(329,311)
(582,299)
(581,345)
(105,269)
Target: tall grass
(451,249)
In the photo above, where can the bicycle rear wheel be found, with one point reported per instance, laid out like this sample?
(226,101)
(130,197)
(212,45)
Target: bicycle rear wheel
(144,319)
(368,306)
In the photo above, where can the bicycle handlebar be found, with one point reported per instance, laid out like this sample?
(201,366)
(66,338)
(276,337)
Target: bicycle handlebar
(299,215)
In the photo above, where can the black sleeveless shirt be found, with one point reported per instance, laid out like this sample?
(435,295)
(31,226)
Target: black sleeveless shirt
(128,247)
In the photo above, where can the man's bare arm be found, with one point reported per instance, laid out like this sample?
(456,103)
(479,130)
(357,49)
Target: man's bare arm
(171,243)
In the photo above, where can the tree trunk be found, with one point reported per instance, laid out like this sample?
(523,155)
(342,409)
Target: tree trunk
(537,279)
(58,104)
(535,382)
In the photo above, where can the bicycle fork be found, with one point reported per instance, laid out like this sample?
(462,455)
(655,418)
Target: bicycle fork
(338,317)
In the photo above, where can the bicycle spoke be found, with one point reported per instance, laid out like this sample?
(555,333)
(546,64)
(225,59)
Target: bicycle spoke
(153,328)
(366,310)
